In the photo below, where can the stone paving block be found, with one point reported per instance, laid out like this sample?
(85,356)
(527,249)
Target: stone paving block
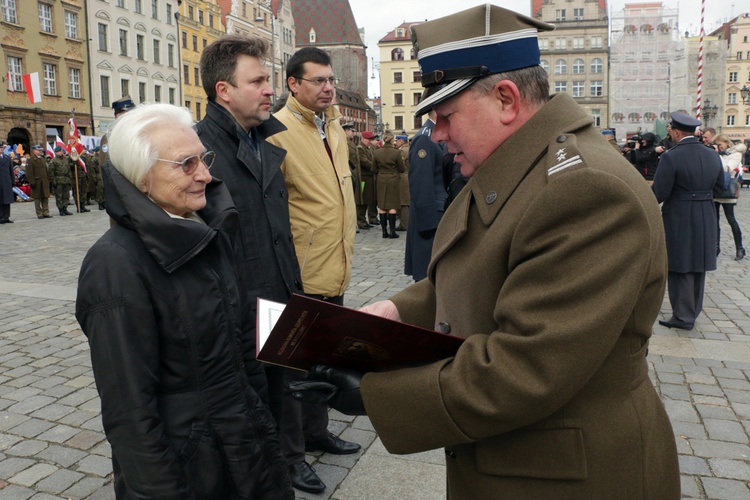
(6,403)
(85,440)
(103,449)
(710,400)
(27,448)
(59,481)
(724,430)
(717,412)
(735,396)
(49,381)
(670,378)
(689,487)
(84,488)
(706,390)
(81,381)
(31,404)
(62,455)
(53,412)
(78,417)
(671,391)
(733,383)
(59,434)
(31,427)
(719,449)
(95,464)
(12,465)
(8,440)
(94,424)
(58,391)
(725,489)
(79,397)
(699,378)
(33,474)
(8,420)
(44,496)
(688,430)
(730,469)
(14,492)
(693,465)
(681,410)
(721,372)
(25,381)
(22,394)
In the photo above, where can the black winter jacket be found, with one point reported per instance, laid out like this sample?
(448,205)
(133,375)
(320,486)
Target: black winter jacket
(159,300)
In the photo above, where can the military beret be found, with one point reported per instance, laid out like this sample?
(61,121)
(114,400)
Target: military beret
(457,50)
(684,122)
(368,135)
(57,148)
(123,105)
(402,137)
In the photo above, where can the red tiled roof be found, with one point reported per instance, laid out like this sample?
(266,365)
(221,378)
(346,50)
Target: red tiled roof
(391,36)
(332,20)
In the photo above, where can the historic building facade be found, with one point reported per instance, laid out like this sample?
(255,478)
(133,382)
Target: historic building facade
(44,43)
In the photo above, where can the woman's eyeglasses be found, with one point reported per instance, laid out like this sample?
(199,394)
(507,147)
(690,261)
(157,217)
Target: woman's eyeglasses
(190,164)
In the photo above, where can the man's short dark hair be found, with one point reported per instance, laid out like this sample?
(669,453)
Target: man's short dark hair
(219,60)
(296,65)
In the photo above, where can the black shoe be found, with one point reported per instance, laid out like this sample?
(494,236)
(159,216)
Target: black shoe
(366,227)
(84,209)
(8,221)
(304,478)
(67,212)
(40,217)
(101,206)
(740,254)
(672,324)
(400,228)
(48,216)
(333,445)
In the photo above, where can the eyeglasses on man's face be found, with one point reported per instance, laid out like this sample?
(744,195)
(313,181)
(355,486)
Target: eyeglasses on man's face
(319,81)
(190,164)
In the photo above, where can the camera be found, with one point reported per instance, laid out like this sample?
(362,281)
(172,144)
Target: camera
(633,140)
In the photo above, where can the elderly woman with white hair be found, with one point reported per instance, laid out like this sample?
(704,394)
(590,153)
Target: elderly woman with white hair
(158,298)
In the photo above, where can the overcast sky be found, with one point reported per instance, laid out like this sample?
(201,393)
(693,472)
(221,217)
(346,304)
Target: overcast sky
(378,18)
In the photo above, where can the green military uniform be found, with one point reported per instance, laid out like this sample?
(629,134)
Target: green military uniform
(367,200)
(62,181)
(82,179)
(403,213)
(95,177)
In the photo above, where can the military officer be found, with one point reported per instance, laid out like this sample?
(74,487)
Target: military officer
(402,144)
(36,173)
(80,178)
(119,106)
(95,175)
(688,178)
(356,174)
(551,263)
(366,208)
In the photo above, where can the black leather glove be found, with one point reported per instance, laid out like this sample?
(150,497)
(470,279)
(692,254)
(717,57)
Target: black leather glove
(335,387)
(427,234)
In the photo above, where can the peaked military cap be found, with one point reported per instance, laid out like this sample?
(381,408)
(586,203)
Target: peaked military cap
(684,122)
(457,50)
(122,105)
(348,126)
(37,147)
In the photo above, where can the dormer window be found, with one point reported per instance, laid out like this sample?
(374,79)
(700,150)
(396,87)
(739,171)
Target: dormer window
(400,32)
(313,35)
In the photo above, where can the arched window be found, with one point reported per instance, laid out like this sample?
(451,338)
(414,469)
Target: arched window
(561,67)
(579,67)
(544,64)
(597,66)
(397,54)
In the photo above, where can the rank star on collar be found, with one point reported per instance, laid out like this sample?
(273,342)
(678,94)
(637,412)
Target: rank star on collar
(560,154)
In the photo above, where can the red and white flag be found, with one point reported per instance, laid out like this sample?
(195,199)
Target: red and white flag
(75,146)
(60,142)
(50,150)
(11,87)
(33,90)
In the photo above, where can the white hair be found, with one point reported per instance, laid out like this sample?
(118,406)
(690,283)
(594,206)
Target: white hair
(131,151)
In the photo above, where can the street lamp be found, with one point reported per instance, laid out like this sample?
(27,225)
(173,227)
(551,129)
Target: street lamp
(708,112)
(258,19)
(745,93)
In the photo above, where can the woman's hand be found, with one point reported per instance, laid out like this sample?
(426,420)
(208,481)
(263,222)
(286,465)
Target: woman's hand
(383,308)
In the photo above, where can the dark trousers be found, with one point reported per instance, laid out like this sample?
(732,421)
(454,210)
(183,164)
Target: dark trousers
(4,212)
(297,422)
(729,213)
(686,296)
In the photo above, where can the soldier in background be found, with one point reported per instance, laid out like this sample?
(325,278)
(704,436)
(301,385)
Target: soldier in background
(81,178)
(36,173)
(356,173)
(402,144)
(119,106)
(96,184)
(61,180)
(367,212)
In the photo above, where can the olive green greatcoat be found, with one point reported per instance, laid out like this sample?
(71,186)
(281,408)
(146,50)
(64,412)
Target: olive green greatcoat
(357,171)
(36,173)
(388,165)
(366,164)
(404,182)
(551,262)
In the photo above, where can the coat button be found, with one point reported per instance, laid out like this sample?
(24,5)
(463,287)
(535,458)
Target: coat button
(291,238)
(275,240)
(281,193)
(450,454)
(491,197)
(562,138)
(444,327)
(265,195)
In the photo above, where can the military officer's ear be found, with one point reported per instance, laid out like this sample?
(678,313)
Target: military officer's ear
(508,100)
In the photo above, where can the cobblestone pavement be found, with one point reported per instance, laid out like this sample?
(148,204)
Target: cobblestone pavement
(51,440)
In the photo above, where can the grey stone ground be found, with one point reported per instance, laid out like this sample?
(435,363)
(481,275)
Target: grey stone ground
(51,440)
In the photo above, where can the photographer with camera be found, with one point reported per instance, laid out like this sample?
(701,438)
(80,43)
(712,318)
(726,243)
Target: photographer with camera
(646,155)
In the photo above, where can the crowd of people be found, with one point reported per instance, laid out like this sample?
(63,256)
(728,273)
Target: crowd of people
(645,151)
(555,295)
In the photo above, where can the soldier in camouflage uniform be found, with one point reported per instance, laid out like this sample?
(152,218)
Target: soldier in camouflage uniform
(95,177)
(81,177)
(61,180)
